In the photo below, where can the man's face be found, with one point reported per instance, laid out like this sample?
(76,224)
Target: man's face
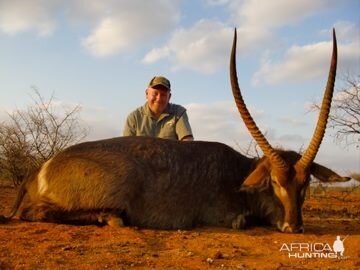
(158,99)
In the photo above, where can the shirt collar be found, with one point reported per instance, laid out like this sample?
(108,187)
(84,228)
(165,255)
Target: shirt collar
(148,112)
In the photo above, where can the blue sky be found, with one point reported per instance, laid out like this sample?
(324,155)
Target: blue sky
(101,54)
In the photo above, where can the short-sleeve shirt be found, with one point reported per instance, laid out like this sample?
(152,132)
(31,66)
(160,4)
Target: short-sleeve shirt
(173,123)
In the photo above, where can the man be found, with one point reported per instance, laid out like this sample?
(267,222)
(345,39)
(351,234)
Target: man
(157,117)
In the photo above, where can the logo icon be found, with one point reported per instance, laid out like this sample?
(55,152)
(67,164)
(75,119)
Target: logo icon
(338,245)
(315,250)
(170,123)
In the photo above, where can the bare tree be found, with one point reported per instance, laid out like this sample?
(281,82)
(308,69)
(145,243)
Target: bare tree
(250,150)
(15,157)
(345,113)
(34,135)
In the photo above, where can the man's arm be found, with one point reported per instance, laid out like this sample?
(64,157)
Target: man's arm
(183,128)
(129,128)
(187,138)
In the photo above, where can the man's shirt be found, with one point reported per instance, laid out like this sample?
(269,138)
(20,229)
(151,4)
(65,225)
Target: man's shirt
(173,123)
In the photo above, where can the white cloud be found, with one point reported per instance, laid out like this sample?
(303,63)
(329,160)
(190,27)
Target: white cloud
(129,24)
(269,14)
(156,55)
(108,38)
(115,25)
(202,47)
(345,31)
(205,46)
(349,57)
(348,37)
(32,15)
(299,63)
(306,63)
(91,11)
(219,122)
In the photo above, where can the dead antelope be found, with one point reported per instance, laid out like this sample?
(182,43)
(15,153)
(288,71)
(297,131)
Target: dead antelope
(163,184)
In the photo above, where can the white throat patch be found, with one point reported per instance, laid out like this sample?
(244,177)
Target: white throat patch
(42,181)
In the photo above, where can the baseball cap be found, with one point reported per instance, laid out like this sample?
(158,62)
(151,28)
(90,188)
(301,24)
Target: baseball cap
(160,80)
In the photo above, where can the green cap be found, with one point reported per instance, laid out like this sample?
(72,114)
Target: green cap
(160,80)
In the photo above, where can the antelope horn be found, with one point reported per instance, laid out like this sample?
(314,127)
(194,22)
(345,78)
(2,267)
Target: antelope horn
(310,153)
(265,146)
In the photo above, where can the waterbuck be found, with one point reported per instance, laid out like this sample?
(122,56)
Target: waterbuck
(163,184)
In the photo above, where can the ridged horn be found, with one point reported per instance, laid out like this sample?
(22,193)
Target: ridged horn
(310,153)
(255,132)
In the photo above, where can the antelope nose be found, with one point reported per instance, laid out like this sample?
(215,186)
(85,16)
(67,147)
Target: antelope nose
(287,229)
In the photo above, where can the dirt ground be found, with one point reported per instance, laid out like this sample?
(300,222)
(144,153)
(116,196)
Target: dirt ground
(35,245)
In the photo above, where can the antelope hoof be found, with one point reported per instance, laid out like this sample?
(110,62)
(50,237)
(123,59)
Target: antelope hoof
(115,221)
(110,219)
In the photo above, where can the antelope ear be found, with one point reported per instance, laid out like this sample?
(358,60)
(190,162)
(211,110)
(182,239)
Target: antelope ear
(257,176)
(325,174)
